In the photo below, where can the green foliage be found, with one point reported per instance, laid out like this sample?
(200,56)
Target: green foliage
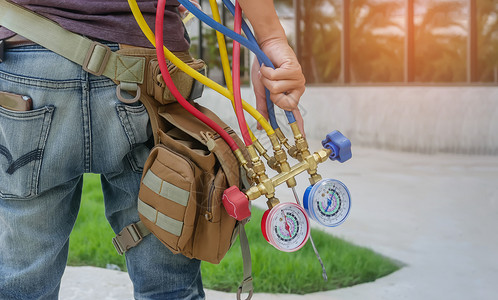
(90,242)
(273,271)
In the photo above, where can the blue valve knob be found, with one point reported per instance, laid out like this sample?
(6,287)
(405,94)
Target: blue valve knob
(340,146)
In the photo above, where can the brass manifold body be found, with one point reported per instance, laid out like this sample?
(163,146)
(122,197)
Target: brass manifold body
(264,185)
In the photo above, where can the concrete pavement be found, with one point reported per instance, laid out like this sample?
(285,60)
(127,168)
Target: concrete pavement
(436,214)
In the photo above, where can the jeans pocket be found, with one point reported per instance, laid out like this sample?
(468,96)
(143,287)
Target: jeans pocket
(135,122)
(23,135)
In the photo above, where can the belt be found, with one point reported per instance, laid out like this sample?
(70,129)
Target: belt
(12,42)
(17,41)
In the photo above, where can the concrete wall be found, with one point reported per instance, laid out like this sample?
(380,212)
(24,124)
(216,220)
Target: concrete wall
(417,118)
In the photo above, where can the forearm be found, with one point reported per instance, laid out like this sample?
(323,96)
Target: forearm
(263,18)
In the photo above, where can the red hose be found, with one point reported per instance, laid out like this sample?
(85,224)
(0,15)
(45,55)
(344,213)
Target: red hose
(171,86)
(236,77)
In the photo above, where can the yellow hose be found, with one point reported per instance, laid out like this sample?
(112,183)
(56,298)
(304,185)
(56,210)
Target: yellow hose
(224,58)
(222,46)
(193,73)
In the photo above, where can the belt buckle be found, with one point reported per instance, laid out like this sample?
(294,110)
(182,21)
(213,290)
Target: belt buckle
(103,61)
(128,238)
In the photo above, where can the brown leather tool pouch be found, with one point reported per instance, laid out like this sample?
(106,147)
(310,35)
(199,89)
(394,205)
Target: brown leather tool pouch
(180,198)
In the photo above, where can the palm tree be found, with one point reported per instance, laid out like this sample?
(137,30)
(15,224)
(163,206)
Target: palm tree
(487,40)
(376,56)
(321,40)
(441,43)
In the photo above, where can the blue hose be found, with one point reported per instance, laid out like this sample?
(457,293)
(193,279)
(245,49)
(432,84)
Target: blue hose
(251,45)
(231,8)
(250,36)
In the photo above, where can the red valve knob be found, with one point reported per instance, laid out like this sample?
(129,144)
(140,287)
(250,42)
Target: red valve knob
(236,203)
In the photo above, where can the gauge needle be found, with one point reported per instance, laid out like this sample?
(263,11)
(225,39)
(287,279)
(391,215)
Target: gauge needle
(287,227)
(329,201)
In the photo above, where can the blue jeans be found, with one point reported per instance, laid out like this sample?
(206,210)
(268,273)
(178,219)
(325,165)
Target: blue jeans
(76,126)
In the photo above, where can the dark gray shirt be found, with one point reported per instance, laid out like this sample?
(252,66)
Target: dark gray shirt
(110,20)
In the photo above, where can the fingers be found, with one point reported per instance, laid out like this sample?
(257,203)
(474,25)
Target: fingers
(286,85)
(259,92)
(287,71)
(287,100)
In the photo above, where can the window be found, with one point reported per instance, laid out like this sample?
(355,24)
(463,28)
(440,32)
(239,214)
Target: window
(397,41)
(440,41)
(487,41)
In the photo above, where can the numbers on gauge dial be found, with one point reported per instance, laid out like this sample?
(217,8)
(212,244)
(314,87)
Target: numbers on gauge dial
(328,202)
(286,227)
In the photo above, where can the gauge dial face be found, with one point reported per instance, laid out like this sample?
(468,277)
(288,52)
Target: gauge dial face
(329,202)
(287,227)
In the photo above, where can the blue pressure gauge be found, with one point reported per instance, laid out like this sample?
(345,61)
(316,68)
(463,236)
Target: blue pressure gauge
(328,202)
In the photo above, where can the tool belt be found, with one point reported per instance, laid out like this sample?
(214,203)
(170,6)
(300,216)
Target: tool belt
(189,167)
(152,91)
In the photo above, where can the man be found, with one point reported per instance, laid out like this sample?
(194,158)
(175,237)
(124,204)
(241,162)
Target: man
(77,125)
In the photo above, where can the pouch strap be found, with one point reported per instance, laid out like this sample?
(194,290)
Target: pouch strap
(129,237)
(246,284)
(94,57)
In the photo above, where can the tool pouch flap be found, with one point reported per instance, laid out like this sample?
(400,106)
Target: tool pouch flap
(178,117)
(183,82)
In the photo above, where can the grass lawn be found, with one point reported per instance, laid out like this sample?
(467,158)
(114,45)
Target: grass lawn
(273,271)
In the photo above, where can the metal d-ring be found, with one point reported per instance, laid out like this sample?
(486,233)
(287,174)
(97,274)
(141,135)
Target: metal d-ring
(125,100)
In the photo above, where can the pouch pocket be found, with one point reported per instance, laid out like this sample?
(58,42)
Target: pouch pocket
(167,197)
(212,197)
(23,135)
(214,229)
(156,87)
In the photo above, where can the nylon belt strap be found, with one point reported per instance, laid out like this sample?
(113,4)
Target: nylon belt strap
(246,284)
(95,57)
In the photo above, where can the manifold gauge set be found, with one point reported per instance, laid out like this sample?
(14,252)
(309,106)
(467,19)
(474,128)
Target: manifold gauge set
(285,225)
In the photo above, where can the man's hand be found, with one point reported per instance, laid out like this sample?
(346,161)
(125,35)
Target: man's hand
(285,83)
